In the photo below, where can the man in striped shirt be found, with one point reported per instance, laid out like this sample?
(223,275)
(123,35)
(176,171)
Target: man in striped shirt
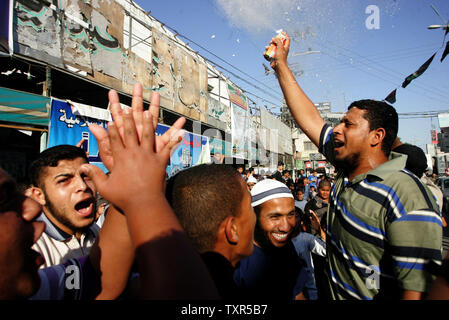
(383,226)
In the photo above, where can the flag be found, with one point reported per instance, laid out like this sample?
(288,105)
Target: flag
(446,51)
(418,72)
(391,98)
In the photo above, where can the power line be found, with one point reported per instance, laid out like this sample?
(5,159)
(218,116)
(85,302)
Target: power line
(395,75)
(339,65)
(213,54)
(212,62)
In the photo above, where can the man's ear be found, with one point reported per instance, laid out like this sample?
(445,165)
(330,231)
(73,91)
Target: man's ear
(378,136)
(231,230)
(38,195)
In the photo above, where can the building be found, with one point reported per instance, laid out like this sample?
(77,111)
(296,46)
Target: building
(76,51)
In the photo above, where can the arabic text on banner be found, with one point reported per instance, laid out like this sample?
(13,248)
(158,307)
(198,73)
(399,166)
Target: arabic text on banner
(68,128)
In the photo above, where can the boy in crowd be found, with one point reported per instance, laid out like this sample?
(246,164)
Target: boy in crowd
(213,205)
(319,203)
(68,202)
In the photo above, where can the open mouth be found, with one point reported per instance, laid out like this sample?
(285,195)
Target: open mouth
(338,144)
(84,208)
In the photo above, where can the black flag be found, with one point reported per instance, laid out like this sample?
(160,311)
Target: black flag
(418,72)
(391,97)
(446,51)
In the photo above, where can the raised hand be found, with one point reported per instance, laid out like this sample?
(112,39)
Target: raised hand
(138,167)
(79,145)
(315,221)
(282,50)
(169,266)
(137,111)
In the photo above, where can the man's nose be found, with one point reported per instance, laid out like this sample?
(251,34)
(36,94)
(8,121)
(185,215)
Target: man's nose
(284,225)
(338,128)
(80,183)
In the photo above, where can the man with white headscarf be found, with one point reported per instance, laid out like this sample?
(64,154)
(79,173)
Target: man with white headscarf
(273,271)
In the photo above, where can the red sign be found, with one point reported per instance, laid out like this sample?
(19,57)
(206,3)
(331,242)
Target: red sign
(321,164)
(308,165)
(434,136)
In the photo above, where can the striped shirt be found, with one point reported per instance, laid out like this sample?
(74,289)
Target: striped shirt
(57,247)
(383,230)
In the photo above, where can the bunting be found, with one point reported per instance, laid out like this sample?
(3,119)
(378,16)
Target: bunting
(391,98)
(418,72)
(446,51)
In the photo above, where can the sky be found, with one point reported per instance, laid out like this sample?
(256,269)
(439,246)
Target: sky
(354,56)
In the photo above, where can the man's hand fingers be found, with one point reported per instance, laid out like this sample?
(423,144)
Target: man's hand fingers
(104,145)
(137,108)
(131,138)
(137,99)
(116,110)
(287,43)
(314,216)
(148,138)
(175,139)
(162,141)
(115,140)
(155,107)
(80,143)
(98,177)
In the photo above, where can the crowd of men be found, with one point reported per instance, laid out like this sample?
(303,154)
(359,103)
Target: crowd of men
(373,231)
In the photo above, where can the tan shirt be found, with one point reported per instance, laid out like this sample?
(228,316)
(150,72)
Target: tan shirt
(435,190)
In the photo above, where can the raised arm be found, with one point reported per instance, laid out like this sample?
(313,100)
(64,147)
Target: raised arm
(301,107)
(169,266)
(112,256)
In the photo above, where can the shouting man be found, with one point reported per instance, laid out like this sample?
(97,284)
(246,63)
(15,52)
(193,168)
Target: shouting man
(383,226)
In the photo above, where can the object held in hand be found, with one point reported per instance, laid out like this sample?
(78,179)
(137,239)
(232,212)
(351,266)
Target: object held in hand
(269,54)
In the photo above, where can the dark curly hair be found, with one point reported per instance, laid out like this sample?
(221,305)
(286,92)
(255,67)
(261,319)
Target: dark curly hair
(380,115)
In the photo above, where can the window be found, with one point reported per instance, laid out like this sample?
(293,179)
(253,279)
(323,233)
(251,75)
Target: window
(309,146)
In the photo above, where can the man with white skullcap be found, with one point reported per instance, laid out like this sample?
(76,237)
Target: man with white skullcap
(251,182)
(273,270)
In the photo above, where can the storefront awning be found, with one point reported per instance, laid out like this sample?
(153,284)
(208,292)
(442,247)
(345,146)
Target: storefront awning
(21,107)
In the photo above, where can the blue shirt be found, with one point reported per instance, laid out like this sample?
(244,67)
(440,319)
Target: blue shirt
(301,204)
(273,274)
(306,243)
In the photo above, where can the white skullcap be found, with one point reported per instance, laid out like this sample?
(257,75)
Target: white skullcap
(269,189)
(251,179)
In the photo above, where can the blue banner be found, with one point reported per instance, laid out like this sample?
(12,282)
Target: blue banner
(187,154)
(68,128)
